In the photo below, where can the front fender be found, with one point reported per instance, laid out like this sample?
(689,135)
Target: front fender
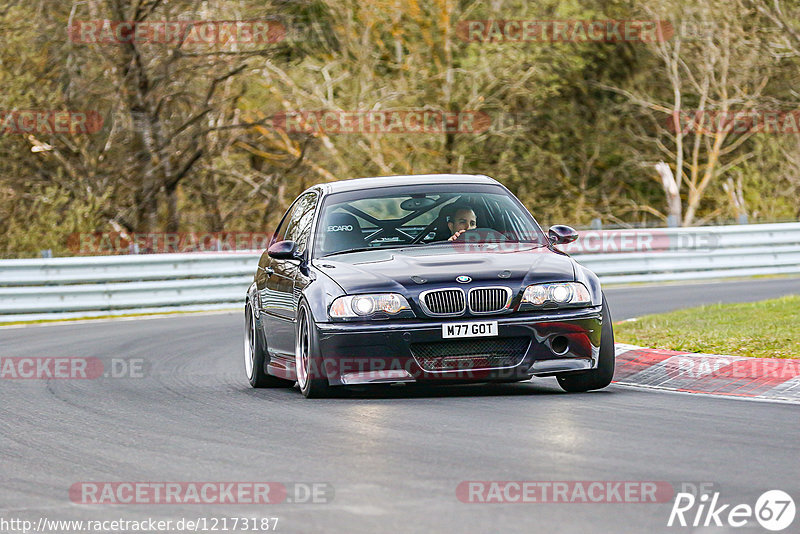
(591,281)
(319,294)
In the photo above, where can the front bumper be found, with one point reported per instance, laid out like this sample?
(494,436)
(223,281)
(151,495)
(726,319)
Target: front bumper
(530,344)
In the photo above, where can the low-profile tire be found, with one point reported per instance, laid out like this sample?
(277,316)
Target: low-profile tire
(255,354)
(602,376)
(308,362)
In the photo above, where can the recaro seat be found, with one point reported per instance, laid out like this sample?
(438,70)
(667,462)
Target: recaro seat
(341,231)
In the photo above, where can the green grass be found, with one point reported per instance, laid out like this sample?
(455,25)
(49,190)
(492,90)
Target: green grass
(766,329)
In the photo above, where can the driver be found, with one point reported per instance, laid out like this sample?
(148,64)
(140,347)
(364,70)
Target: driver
(463,219)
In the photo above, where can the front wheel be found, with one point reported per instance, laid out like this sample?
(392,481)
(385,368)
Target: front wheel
(602,376)
(255,354)
(308,362)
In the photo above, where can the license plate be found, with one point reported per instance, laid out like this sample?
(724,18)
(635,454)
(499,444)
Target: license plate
(458,330)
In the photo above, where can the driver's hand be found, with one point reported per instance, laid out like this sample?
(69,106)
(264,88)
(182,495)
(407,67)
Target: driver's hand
(455,235)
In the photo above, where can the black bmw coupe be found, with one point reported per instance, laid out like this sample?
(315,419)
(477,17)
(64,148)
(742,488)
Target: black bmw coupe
(428,278)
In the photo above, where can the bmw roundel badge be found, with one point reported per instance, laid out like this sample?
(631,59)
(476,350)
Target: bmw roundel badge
(463,279)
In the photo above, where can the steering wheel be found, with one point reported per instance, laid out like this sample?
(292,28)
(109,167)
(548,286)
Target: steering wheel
(481,235)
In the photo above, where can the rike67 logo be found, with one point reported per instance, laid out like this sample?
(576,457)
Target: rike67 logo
(774,510)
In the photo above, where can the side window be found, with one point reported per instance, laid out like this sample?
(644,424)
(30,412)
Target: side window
(299,228)
(280,233)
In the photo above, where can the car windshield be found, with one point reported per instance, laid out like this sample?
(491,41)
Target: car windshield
(422,215)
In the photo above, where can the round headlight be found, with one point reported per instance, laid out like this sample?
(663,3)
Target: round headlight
(363,305)
(538,294)
(392,304)
(561,294)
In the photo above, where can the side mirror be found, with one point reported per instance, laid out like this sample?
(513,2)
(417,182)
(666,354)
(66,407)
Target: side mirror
(560,234)
(283,250)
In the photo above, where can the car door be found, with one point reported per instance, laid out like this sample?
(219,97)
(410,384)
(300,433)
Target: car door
(280,309)
(265,304)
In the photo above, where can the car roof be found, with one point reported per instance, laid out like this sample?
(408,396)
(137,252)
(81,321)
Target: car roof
(378,182)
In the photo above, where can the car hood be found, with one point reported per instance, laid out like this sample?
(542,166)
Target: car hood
(412,269)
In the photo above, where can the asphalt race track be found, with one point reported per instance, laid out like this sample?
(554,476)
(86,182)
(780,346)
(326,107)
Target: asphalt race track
(394,456)
(634,301)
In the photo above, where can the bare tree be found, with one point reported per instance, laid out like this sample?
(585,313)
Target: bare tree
(714,68)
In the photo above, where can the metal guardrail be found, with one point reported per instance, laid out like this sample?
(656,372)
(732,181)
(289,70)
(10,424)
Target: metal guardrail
(675,254)
(36,289)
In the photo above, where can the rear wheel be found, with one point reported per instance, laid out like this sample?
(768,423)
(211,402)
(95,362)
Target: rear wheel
(308,362)
(602,376)
(255,355)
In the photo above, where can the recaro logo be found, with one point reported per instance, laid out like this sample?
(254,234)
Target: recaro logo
(341,228)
